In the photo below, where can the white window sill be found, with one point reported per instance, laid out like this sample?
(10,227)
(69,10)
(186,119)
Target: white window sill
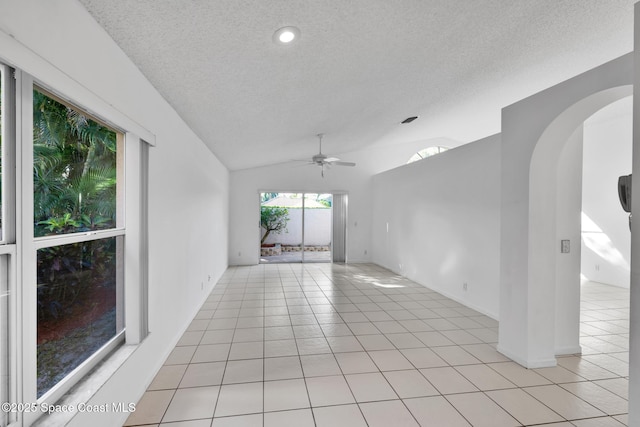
(88,387)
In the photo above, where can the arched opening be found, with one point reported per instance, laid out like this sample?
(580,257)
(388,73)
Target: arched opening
(534,133)
(555,216)
(607,153)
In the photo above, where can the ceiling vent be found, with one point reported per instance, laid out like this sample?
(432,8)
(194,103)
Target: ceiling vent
(409,119)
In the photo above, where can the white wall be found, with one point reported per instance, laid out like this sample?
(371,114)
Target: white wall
(607,155)
(437,221)
(244,228)
(377,159)
(58,41)
(567,264)
(317,228)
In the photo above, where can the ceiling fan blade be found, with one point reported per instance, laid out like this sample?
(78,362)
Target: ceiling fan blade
(343,163)
(331,160)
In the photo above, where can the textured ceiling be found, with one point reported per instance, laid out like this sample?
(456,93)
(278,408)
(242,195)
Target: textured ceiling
(359,68)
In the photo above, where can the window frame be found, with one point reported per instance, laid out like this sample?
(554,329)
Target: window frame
(32,244)
(134,211)
(422,153)
(8,248)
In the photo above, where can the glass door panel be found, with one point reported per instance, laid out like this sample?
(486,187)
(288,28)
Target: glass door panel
(295,227)
(281,237)
(317,227)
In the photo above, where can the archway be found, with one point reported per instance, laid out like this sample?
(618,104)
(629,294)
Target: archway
(554,216)
(534,132)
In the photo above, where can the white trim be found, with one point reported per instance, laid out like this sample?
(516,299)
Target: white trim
(564,351)
(529,364)
(25,241)
(8,116)
(51,76)
(56,392)
(8,248)
(18,328)
(13,335)
(441,291)
(78,394)
(67,239)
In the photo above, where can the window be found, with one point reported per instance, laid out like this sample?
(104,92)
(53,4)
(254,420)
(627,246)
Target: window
(78,230)
(426,152)
(63,242)
(7,249)
(74,169)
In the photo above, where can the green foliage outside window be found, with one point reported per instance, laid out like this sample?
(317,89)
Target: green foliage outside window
(74,170)
(74,190)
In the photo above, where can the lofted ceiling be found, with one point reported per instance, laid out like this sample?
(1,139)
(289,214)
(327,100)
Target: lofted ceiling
(359,68)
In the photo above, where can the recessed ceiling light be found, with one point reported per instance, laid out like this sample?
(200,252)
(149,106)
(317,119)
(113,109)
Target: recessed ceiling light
(286,35)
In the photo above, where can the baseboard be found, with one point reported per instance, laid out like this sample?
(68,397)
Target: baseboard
(564,351)
(529,364)
(445,293)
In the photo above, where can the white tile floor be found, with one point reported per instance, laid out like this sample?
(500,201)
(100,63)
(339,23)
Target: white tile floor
(334,345)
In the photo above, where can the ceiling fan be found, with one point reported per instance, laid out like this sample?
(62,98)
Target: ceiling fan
(323,160)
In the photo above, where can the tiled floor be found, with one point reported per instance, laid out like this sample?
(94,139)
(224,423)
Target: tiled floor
(334,345)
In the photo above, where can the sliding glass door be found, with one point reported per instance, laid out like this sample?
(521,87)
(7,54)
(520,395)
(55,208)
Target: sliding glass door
(281,227)
(295,227)
(317,228)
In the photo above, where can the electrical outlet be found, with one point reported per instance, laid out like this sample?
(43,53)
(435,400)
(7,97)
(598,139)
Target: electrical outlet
(464,286)
(365,251)
(239,253)
(565,246)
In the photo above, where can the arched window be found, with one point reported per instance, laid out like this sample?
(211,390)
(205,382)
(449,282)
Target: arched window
(426,152)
